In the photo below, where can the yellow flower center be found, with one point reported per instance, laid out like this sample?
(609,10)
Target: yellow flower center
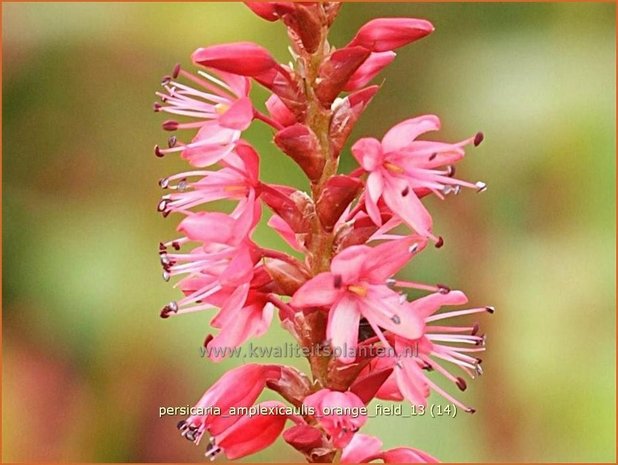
(221,108)
(358,290)
(394,168)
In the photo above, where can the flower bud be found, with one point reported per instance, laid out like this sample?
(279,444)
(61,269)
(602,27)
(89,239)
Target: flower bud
(383,34)
(302,145)
(279,111)
(337,194)
(243,58)
(335,72)
(369,69)
(304,438)
(305,22)
(287,277)
(346,114)
(366,387)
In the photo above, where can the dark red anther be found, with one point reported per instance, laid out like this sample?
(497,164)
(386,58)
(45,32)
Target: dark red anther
(156,107)
(471,410)
(170,125)
(478,138)
(490,309)
(442,289)
(165,313)
(209,337)
(337,281)
(157,152)
(450,171)
(166,80)
(406,191)
(461,384)
(162,247)
(176,245)
(176,71)
(475,329)
(433,156)
(440,242)
(181,425)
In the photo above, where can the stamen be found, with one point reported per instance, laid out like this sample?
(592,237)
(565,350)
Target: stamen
(337,281)
(480,187)
(157,152)
(176,70)
(478,138)
(440,242)
(170,125)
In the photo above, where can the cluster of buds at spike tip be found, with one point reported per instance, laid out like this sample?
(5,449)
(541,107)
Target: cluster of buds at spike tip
(365,332)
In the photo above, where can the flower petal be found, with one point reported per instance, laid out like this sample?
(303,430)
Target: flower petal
(317,292)
(368,152)
(342,329)
(404,133)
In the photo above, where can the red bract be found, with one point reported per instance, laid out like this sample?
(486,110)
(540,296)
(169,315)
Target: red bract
(351,233)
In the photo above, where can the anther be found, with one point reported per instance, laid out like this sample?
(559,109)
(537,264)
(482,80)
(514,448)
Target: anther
(391,282)
(478,138)
(475,329)
(395,319)
(490,309)
(176,245)
(166,276)
(176,70)
(413,248)
(170,125)
(172,141)
(162,206)
(156,107)
(337,281)
(433,156)
(406,191)
(182,424)
(442,289)
(440,242)
(162,247)
(207,340)
(450,171)
(157,152)
(471,410)
(166,80)
(164,183)
(481,186)
(461,384)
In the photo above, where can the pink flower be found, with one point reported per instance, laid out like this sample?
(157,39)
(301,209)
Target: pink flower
(226,258)
(250,434)
(409,379)
(356,286)
(239,387)
(220,109)
(407,455)
(237,180)
(364,448)
(242,58)
(383,34)
(400,165)
(339,413)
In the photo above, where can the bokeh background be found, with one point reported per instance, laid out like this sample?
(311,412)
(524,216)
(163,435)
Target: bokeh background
(86,359)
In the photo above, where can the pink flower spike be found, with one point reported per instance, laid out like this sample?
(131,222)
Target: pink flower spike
(250,434)
(383,34)
(339,426)
(242,58)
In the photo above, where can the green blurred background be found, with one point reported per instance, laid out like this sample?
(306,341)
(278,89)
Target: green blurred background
(88,361)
